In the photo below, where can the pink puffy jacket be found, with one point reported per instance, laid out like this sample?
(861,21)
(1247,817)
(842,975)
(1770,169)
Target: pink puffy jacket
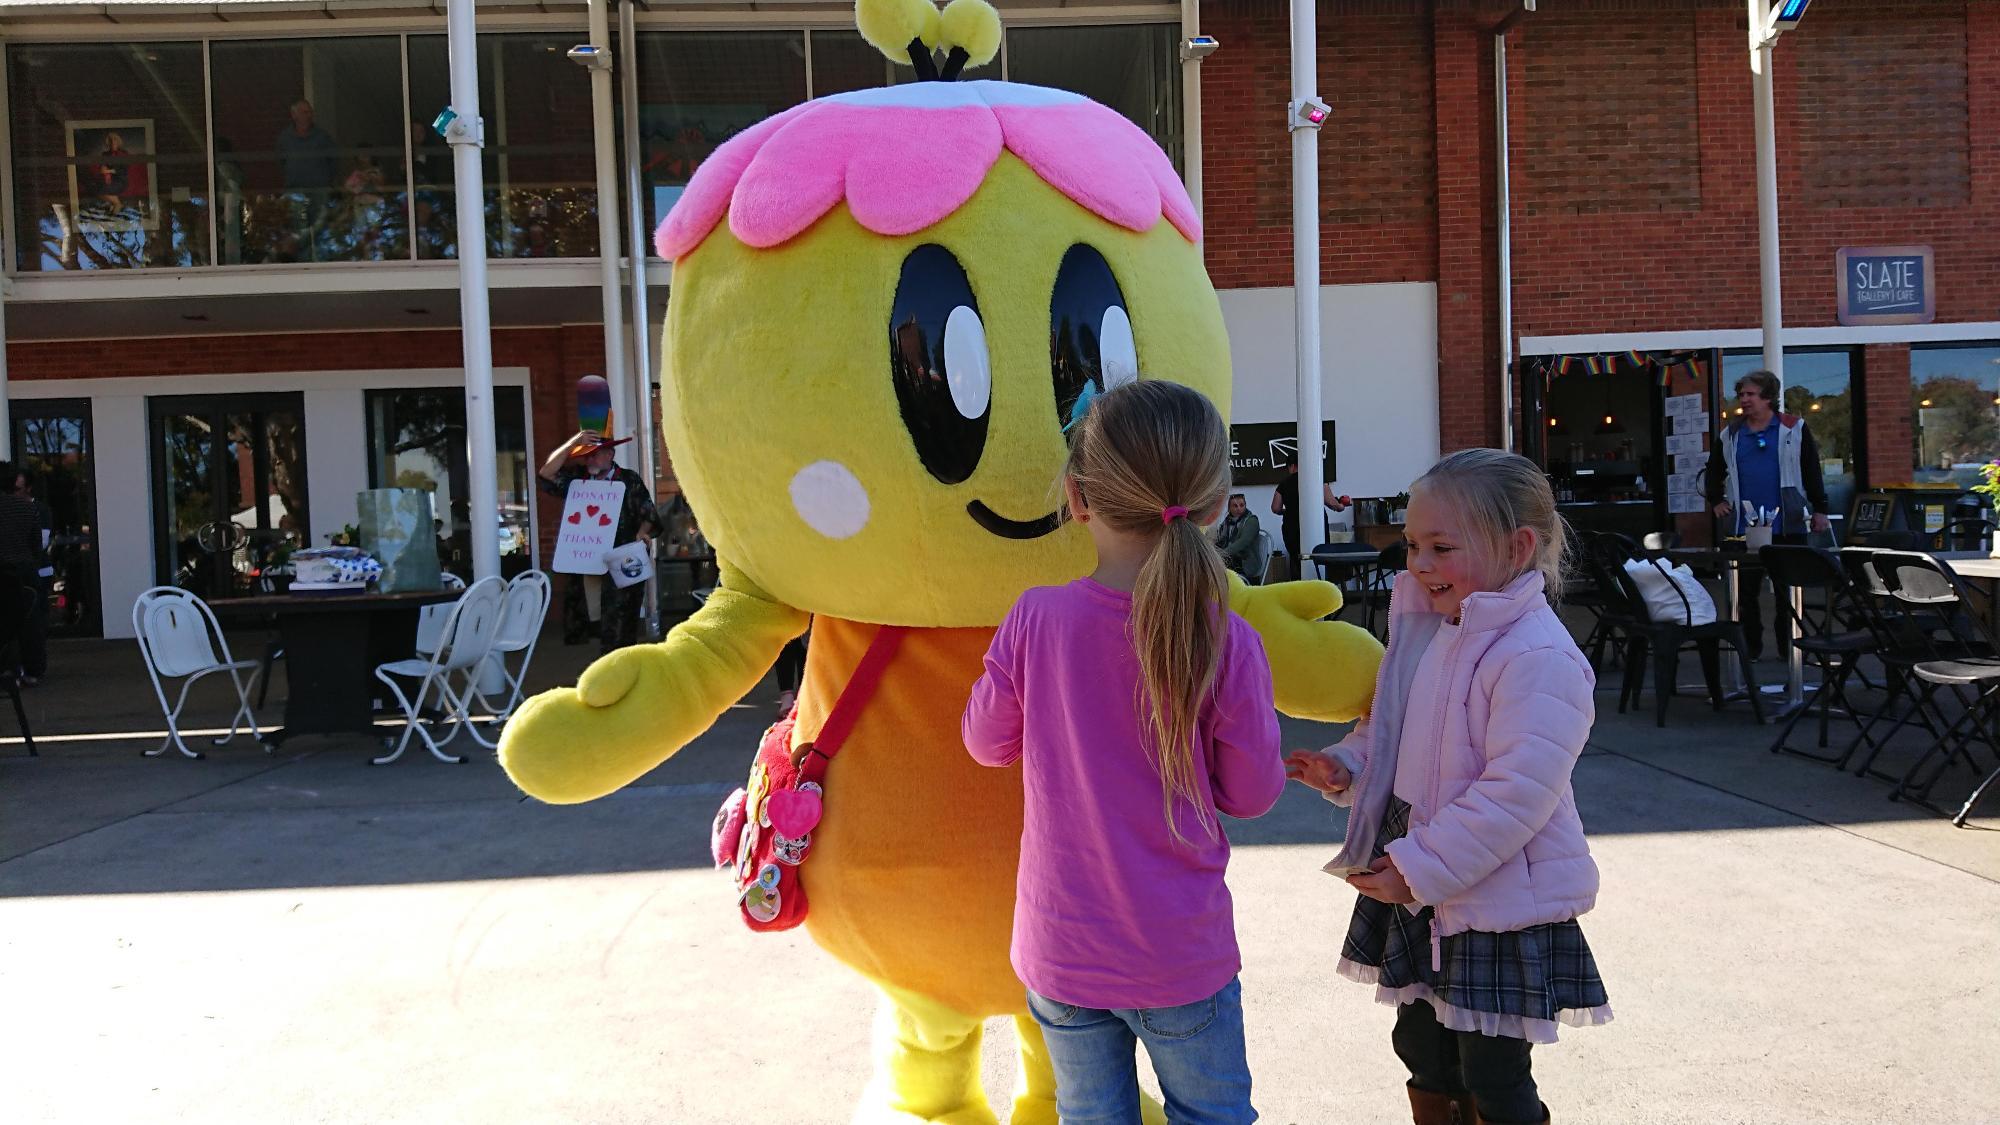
(1496,844)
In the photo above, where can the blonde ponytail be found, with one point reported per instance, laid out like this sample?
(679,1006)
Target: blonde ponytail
(1152,457)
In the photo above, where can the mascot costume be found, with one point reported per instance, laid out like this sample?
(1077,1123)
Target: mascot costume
(888,307)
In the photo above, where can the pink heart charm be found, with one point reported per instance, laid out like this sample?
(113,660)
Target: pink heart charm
(793,813)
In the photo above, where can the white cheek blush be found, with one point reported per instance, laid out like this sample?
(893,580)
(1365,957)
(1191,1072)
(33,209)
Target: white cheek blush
(831,499)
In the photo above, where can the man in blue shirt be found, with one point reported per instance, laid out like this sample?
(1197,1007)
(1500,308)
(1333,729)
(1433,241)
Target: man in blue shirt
(1764,470)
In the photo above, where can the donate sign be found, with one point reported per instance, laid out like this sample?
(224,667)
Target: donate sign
(1887,285)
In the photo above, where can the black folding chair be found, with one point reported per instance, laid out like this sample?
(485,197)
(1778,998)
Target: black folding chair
(1826,638)
(1394,559)
(1665,640)
(1966,661)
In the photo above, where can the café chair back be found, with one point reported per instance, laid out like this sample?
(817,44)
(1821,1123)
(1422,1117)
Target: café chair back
(1963,661)
(445,677)
(1665,640)
(179,638)
(522,611)
(1834,637)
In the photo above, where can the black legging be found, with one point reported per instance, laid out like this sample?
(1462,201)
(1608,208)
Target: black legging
(1493,1069)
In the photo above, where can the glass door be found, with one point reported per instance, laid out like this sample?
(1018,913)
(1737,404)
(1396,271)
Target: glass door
(229,488)
(52,444)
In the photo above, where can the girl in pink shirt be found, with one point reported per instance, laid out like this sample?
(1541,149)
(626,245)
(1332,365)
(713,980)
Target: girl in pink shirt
(1463,837)
(1138,707)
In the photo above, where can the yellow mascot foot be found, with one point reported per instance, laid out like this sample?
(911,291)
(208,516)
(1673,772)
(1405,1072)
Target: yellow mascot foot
(926,1066)
(1035,1092)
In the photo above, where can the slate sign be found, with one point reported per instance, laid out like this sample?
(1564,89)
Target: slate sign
(1887,285)
(1263,452)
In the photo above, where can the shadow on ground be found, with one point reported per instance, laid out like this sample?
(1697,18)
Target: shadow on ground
(91,816)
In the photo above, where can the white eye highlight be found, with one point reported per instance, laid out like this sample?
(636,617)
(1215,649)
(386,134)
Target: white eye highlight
(1118,355)
(831,499)
(966,366)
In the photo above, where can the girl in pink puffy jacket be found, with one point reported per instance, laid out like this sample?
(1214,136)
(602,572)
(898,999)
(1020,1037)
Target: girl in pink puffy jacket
(1463,837)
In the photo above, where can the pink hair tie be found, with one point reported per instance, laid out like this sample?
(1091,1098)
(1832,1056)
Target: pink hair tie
(1172,512)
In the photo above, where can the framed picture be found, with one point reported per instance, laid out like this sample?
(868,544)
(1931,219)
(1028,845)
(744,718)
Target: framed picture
(113,181)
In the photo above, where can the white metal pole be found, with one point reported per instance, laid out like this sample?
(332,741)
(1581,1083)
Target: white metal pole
(1305,274)
(1191,105)
(1768,262)
(639,246)
(467,135)
(1504,205)
(623,404)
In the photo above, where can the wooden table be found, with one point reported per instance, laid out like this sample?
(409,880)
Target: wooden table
(332,643)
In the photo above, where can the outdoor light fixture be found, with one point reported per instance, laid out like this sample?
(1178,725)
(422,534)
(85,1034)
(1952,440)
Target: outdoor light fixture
(1785,15)
(1310,113)
(1198,47)
(589,56)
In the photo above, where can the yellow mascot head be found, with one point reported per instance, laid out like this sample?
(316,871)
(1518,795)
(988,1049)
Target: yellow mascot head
(888,306)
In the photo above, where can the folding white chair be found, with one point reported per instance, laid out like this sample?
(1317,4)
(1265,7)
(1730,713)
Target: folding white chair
(521,615)
(174,630)
(466,639)
(431,618)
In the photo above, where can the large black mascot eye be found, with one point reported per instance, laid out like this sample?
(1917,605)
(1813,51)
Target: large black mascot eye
(1090,336)
(937,354)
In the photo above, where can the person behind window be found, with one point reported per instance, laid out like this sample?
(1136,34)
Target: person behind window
(25,525)
(1764,470)
(590,599)
(310,161)
(1236,538)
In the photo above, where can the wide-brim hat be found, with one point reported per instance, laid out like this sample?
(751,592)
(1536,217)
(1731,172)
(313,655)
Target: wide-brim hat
(591,443)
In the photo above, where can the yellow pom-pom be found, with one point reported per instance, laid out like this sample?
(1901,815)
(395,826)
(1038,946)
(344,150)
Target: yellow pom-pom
(974,26)
(889,25)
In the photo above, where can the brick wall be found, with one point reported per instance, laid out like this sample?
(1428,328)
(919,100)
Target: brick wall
(1378,151)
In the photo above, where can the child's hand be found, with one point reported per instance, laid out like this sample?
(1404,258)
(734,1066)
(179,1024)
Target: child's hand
(1318,769)
(1383,884)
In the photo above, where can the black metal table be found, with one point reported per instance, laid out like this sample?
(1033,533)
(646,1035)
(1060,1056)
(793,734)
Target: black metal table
(1340,561)
(332,643)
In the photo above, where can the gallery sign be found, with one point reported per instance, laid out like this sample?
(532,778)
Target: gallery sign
(1887,285)
(1264,452)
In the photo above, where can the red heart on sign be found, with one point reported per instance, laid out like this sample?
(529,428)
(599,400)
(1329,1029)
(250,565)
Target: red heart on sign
(576,517)
(591,508)
(604,521)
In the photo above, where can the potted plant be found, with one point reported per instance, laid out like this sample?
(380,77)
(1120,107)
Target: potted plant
(1989,487)
(1399,507)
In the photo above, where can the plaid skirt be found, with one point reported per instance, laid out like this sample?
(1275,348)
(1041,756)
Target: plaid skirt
(1519,983)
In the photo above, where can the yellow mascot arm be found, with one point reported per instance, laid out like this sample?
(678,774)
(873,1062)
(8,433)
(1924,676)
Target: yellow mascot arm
(637,707)
(1322,670)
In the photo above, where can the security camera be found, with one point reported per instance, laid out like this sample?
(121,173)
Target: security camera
(1198,47)
(591,57)
(1309,114)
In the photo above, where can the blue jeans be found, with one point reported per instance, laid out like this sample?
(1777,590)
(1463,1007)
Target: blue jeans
(1197,1051)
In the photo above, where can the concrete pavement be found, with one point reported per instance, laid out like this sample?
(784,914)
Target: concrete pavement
(303,938)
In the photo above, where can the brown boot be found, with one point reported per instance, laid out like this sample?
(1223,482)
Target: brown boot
(1430,1108)
(1472,1115)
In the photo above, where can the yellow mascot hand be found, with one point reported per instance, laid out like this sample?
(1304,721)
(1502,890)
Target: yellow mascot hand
(637,707)
(1322,670)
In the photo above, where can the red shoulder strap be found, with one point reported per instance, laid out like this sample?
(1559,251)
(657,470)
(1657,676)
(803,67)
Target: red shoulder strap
(859,690)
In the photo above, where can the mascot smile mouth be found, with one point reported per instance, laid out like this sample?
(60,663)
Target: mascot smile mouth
(1011,529)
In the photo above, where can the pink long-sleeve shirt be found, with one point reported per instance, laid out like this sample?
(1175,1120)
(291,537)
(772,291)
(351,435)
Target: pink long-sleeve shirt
(1110,911)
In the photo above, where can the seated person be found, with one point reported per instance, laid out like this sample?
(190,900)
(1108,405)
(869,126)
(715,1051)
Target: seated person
(1236,538)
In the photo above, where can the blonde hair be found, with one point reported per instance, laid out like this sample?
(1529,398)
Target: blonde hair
(1142,450)
(1496,493)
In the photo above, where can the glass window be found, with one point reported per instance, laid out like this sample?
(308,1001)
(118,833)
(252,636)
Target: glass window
(540,168)
(110,155)
(309,150)
(1818,387)
(698,89)
(843,61)
(1135,69)
(416,439)
(1955,408)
